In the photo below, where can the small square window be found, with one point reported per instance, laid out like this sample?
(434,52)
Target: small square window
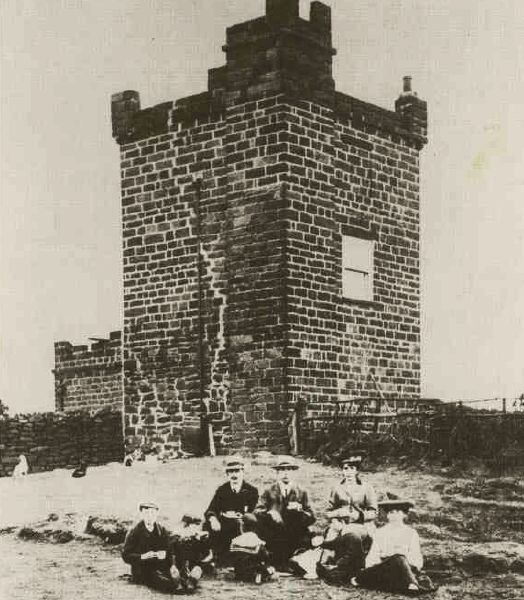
(357,268)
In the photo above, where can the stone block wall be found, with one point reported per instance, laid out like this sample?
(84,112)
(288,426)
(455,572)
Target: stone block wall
(234,204)
(352,177)
(89,378)
(51,440)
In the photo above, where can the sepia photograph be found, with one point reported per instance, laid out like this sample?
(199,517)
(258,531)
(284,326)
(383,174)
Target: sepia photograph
(261,290)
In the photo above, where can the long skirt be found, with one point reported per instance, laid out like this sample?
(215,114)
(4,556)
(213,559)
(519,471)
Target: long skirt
(344,555)
(394,574)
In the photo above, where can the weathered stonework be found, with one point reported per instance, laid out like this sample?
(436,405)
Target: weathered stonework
(52,441)
(89,378)
(234,204)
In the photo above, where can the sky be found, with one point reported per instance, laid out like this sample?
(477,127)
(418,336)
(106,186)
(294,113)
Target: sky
(60,252)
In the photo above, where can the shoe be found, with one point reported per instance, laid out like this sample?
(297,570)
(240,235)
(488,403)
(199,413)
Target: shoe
(413,589)
(310,576)
(193,578)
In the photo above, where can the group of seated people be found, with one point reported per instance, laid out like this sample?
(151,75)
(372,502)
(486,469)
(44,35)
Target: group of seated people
(262,536)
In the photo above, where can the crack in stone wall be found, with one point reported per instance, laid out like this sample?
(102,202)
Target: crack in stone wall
(217,391)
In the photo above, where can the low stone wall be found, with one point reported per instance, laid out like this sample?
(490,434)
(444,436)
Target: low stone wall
(60,440)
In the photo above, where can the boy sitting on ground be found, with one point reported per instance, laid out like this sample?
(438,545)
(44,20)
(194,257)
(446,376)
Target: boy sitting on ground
(148,548)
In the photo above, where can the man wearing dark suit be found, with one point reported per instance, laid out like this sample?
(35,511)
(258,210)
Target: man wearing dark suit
(284,515)
(232,505)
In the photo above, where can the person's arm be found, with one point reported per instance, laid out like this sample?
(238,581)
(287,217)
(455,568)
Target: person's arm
(167,544)
(414,556)
(252,500)
(335,507)
(214,509)
(130,552)
(306,508)
(369,509)
(339,509)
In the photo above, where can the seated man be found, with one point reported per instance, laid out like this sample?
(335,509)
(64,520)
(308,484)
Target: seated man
(148,549)
(352,511)
(394,560)
(284,515)
(232,504)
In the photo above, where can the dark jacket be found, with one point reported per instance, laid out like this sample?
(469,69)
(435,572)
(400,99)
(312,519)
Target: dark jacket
(226,499)
(272,499)
(139,540)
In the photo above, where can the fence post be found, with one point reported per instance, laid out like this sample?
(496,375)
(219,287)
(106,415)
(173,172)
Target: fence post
(504,407)
(377,418)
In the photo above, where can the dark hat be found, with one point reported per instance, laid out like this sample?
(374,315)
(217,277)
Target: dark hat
(285,462)
(404,505)
(355,457)
(147,504)
(234,463)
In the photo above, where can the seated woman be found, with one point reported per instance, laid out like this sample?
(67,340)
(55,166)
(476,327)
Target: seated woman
(352,512)
(394,560)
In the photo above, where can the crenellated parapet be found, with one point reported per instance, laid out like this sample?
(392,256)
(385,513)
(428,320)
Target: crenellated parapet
(89,376)
(278,53)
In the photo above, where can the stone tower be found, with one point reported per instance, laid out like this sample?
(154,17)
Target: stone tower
(270,243)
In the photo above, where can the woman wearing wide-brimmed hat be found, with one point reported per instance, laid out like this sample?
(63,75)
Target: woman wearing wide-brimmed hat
(394,561)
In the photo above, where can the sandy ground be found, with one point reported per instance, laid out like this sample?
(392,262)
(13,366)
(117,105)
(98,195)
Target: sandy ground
(89,569)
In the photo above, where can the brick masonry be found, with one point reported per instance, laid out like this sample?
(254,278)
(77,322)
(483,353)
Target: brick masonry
(234,204)
(89,378)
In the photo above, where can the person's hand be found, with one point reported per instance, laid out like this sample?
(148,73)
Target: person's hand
(214,523)
(148,555)
(275,515)
(339,513)
(232,514)
(294,506)
(161,555)
(317,540)
(173,571)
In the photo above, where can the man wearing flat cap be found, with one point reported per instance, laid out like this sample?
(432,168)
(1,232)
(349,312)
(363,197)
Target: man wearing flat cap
(284,515)
(147,548)
(352,510)
(232,504)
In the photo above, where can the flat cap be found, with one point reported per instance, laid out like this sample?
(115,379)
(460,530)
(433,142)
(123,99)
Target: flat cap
(285,462)
(147,504)
(234,462)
